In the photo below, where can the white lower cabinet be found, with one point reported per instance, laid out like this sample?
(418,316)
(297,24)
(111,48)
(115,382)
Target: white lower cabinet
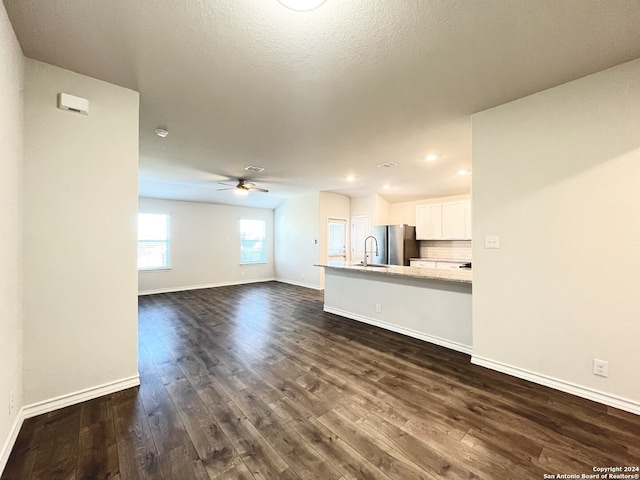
(448,265)
(436,265)
(423,264)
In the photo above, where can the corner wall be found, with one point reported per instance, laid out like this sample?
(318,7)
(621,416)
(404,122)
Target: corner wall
(11,164)
(205,246)
(297,234)
(80,206)
(556,175)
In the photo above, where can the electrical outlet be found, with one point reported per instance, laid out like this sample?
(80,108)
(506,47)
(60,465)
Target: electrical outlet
(11,403)
(600,367)
(378,308)
(492,241)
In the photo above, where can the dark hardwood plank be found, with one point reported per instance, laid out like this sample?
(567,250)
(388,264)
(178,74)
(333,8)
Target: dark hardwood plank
(137,453)
(60,435)
(367,446)
(183,462)
(327,443)
(257,382)
(256,452)
(23,455)
(98,453)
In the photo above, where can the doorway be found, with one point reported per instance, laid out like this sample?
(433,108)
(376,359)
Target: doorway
(337,240)
(360,229)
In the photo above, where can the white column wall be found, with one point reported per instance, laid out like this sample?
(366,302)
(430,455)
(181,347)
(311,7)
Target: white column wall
(80,205)
(557,176)
(11,162)
(297,234)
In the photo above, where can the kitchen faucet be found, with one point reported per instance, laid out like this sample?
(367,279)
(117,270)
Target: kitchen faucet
(364,262)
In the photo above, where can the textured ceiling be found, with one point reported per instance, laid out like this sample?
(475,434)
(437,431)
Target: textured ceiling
(316,96)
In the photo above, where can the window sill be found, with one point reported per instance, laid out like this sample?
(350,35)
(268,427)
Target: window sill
(159,269)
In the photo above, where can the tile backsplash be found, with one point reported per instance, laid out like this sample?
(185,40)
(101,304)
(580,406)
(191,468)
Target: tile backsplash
(446,249)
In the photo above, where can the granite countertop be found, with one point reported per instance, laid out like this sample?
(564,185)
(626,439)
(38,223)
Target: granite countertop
(461,275)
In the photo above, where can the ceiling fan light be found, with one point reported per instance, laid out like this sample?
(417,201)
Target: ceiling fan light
(241,192)
(301,5)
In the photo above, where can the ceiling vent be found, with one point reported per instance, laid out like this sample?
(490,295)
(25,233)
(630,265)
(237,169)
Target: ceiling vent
(251,168)
(388,164)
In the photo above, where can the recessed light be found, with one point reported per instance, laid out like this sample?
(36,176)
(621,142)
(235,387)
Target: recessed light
(386,187)
(350,178)
(302,5)
(161,132)
(462,172)
(252,168)
(431,158)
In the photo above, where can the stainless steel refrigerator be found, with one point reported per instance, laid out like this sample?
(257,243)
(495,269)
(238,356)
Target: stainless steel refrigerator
(396,245)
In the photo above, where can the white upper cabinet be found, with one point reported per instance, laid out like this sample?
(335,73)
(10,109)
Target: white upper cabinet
(453,220)
(429,221)
(444,221)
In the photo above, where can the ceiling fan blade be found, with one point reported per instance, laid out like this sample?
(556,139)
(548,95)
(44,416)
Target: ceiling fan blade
(256,189)
(227,184)
(229,188)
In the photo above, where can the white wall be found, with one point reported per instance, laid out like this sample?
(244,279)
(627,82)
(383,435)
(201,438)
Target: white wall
(373,205)
(297,235)
(80,206)
(205,246)
(331,205)
(557,176)
(405,212)
(11,158)
(382,211)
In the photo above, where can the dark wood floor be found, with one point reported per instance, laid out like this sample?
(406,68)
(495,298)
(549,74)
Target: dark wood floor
(256,382)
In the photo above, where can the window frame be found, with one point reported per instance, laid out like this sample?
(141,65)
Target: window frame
(263,257)
(166,242)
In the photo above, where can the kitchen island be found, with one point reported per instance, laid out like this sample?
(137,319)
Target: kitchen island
(424,303)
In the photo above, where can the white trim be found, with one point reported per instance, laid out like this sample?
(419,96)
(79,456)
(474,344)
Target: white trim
(198,287)
(298,284)
(459,347)
(562,385)
(69,399)
(56,403)
(11,440)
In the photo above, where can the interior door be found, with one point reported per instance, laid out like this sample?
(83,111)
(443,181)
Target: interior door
(360,229)
(337,240)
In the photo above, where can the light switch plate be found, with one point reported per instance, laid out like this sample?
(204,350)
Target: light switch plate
(491,241)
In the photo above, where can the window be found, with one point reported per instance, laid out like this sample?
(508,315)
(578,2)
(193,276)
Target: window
(153,241)
(253,248)
(337,234)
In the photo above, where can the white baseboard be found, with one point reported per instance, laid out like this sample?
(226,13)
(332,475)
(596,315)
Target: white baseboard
(198,287)
(443,342)
(562,385)
(11,440)
(69,399)
(298,284)
(56,403)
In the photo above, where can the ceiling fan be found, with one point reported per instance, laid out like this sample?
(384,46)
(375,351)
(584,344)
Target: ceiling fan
(242,188)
